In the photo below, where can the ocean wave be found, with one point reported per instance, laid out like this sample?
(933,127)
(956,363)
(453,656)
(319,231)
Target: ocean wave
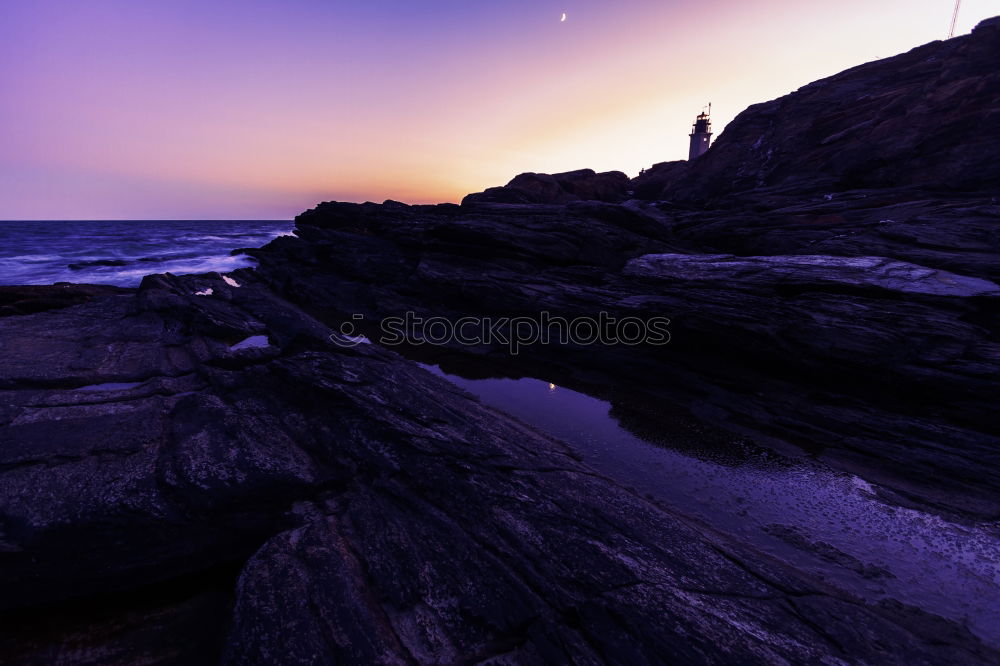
(122,253)
(208,264)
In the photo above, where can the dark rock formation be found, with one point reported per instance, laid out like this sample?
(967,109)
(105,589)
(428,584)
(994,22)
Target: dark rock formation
(929,117)
(836,353)
(384,516)
(559,188)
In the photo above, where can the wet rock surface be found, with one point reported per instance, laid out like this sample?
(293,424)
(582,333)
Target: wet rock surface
(811,270)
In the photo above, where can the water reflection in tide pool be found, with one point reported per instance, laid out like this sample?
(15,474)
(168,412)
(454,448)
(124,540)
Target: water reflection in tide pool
(824,522)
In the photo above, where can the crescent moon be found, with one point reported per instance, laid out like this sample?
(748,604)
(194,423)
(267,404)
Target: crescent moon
(563,19)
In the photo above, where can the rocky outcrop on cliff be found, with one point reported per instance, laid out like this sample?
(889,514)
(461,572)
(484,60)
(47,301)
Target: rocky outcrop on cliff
(929,117)
(196,469)
(558,188)
(654,183)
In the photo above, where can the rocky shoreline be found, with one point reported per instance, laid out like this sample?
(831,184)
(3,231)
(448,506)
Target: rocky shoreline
(379,513)
(198,471)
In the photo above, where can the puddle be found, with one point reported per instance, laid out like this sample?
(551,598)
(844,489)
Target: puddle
(110,386)
(253,342)
(827,523)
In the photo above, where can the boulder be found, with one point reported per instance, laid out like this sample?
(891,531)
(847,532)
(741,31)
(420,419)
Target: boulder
(560,188)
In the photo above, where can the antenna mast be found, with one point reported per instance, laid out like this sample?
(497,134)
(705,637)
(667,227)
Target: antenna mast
(954,18)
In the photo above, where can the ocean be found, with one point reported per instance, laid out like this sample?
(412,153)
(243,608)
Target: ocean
(121,252)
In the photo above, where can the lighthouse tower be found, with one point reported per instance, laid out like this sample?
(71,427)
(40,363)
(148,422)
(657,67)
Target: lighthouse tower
(701,134)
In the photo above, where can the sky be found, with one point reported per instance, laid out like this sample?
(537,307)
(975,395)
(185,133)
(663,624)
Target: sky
(259,109)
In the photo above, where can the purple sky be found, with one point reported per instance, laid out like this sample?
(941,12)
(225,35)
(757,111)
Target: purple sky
(259,109)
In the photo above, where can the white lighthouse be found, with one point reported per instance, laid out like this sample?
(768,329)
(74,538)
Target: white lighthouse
(701,134)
